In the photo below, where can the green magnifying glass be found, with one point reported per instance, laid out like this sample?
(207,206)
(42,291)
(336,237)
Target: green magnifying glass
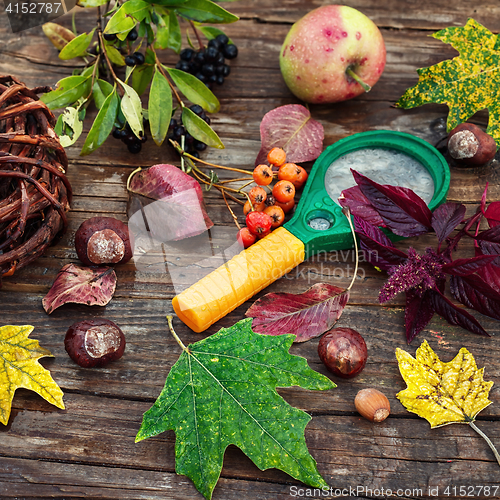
(318,224)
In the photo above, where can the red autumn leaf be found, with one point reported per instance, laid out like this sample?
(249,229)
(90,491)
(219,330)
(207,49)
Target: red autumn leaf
(291,128)
(166,204)
(492,213)
(81,285)
(305,315)
(464,267)
(418,313)
(403,211)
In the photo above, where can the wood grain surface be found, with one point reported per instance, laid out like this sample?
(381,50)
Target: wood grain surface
(88,449)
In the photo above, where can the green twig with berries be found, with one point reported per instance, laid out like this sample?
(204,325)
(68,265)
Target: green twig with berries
(121,64)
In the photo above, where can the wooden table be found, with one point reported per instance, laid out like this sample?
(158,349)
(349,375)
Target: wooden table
(88,449)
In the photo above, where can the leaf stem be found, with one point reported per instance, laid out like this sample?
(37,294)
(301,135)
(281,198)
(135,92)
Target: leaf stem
(172,331)
(347,213)
(487,439)
(230,210)
(138,169)
(200,42)
(103,51)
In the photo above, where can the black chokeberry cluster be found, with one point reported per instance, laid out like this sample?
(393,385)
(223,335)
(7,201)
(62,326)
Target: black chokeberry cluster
(209,64)
(125,134)
(176,131)
(135,59)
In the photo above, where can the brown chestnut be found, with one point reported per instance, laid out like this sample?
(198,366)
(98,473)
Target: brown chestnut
(94,342)
(343,351)
(372,405)
(470,145)
(103,240)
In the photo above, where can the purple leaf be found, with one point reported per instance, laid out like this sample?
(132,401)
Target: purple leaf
(359,205)
(403,212)
(81,285)
(464,267)
(492,214)
(490,235)
(455,315)
(305,315)
(377,247)
(472,291)
(166,204)
(418,313)
(291,127)
(446,218)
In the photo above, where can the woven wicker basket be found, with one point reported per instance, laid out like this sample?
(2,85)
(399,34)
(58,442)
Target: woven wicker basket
(34,192)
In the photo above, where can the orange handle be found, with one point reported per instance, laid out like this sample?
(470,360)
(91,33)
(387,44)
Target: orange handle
(247,273)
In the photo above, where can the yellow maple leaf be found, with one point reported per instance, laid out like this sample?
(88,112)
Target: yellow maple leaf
(19,367)
(442,393)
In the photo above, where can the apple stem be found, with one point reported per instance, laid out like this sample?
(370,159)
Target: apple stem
(355,77)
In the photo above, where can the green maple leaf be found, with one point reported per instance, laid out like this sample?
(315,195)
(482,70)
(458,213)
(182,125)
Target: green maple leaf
(222,391)
(466,83)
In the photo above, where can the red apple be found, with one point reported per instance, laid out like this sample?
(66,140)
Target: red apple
(332,54)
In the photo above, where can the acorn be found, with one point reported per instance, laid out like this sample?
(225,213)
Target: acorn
(372,405)
(469,145)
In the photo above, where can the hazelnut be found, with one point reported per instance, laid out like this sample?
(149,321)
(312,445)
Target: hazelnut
(343,351)
(103,240)
(94,342)
(469,145)
(372,405)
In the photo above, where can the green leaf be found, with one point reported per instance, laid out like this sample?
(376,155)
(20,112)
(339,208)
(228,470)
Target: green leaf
(200,129)
(168,3)
(195,90)
(467,83)
(114,55)
(132,109)
(168,35)
(211,32)
(160,107)
(126,17)
(141,77)
(205,11)
(77,47)
(69,127)
(100,91)
(222,391)
(103,124)
(95,3)
(68,91)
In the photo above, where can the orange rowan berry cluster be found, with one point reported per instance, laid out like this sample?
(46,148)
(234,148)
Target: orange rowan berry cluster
(265,212)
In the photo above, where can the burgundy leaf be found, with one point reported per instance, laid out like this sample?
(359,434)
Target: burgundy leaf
(491,272)
(464,267)
(166,204)
(446,218)
(492,214)
(455,315)
(403,211)
(491,235)
(291,127)
(418,313)
(359,205)
(305,315)
(378,249)
(81,285)
(472,291)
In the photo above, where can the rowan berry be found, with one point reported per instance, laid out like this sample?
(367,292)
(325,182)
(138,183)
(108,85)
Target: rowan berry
(286,206)
(245,237)
(302,177)
(276,156)
(250,207)
(289,172)
(263,175)
(283,191)
(277,215)
(259,223)
(257,195)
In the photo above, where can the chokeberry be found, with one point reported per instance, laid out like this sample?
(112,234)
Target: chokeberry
(134,146)
(139,58)
(223,39)
(187,54)
(183,66)
(130,60)
(226,70)
(208,69)
(196,109)
(109,37)
(200,146)
(211,54)
(201,77)
(230,51)
(220,59)
(214,43)
(132,35)
(220,79)
(199,57)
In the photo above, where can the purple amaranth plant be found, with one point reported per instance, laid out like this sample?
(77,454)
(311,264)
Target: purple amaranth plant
(474,281)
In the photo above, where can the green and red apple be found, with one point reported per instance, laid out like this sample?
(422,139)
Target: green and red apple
(332,54)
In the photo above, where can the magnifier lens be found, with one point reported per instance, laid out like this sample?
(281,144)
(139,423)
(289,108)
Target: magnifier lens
(385,166)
